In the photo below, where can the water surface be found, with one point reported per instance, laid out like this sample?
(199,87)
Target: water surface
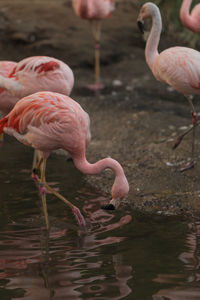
(121,255)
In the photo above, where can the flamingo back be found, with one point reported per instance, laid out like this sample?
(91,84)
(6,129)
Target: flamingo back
(7,101)
(42,73)
(49,121)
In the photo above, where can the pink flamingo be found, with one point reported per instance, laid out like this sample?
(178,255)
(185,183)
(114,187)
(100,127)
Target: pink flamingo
(177,66)
(94,11)
(191,21)
(48,121)
(34,74)
(38,73)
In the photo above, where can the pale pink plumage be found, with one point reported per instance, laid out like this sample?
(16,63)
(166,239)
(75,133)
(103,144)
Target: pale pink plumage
(93,9)
(7,101)
(48,121)
(190,20)
(177,66)
(38,73)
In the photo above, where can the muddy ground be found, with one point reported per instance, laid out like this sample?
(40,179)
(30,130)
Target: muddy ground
(136,122)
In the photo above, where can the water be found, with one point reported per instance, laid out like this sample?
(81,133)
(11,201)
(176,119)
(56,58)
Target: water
(122,255)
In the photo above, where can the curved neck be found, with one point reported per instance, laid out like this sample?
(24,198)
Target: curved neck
(84,166)
(151,50)
(184,11)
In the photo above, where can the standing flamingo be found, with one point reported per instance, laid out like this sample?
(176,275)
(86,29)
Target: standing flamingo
(94,11)
(177,66)
(48,121)
(34,74)
(191,21)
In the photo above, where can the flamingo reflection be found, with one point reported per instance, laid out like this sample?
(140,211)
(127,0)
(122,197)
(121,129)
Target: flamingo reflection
(61,264)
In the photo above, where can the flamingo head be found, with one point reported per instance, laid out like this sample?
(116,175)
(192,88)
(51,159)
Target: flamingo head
(120,190)
(147,11)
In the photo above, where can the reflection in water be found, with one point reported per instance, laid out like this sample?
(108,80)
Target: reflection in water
(66,264)
(149,257)
(188,284)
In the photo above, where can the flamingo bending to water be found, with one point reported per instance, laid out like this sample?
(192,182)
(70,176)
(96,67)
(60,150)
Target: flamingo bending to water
(177,66)
(191,21)
(48,121)
(94,11)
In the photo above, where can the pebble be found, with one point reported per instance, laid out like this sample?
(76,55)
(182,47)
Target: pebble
(117,82)
(170,89)
(183,128)
(129,88)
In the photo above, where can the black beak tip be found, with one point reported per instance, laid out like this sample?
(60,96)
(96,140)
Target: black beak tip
(141,26)
(108,207)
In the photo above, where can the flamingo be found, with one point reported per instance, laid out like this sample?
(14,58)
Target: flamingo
(38,73)
(179,67)
(94,11)
(34,74)
(191,21)
(48,121)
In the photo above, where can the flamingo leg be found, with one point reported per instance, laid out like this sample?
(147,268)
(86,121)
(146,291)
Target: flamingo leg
(44,186)
(37,165)
(1,139)
(180,138)
(43,192)
(79,218)
(36,158)
(96,31)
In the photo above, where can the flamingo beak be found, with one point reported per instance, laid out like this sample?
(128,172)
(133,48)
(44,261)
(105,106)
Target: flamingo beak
(141,26)
(108,207)
(114,203)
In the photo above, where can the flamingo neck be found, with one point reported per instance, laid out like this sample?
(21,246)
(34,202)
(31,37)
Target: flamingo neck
(151,50)
(184,12)
(107,163)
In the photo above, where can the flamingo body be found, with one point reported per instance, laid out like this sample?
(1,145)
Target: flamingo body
(191,21)
(48,121)
(177,66)
(180,68)
(93,9)
(38,73)
(7,101)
